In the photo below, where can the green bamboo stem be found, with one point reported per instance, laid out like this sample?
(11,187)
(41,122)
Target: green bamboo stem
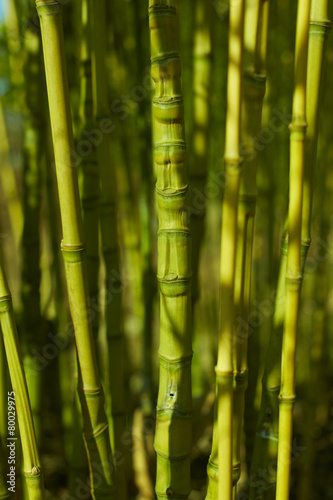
(31,273)
(320,26)
(56,307)
(233,162)
(198,164)
(79,467)
(255,43)
(95,425)
(267,430)
(266,439)
(294,261)
(89,178)
(174,405)
(31,464)
(109,234)
(316,379)
(14,43)
(199,158)
(145,208)
(89,194)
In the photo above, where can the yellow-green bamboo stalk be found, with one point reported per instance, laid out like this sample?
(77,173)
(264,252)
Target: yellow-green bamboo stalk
(109,236)
(266,439)
(199,157)
(31,464)
(233,162)
(89,179)
(78,463)
(95,425)
(294,261)
(174,405)
(145,209)
(320,26)
(89,194)
(255,42)
(267,430)
(14,43)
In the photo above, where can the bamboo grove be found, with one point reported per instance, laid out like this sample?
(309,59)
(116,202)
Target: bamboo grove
(166,250)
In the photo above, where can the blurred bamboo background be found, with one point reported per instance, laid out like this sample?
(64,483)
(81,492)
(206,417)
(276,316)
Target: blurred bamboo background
(108,51)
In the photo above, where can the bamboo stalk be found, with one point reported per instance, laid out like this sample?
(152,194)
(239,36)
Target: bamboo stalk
(255,43)
(31,273)
(95,430)
(224,368)
(145,209)
(320,26)
(89,194)
(33,474)
(198,164)
(266,439)
(267,431)
(174,405)
(89,178)
(199,160)
(109,234)
(294,261)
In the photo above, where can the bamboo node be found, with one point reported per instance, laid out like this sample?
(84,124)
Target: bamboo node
(325,24)
(223,375)
(48,7)
(287,400)
(162,10)
(168,456)
(172,192)
(236,472)
(183,361)
(294,280)
(90,393)
(241,379)
(170,277)
(5,303)
(233,164)
(72,253)
(297,128)
(97,432)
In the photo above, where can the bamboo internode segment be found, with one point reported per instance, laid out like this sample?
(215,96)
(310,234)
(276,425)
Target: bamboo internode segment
(320,26)
(91,393)
(266,439)
(89,179)
(254,80)
(294,260)
(174,405)
(233,162)
(31,464)
(31,246)
(200,140)
(109,237)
